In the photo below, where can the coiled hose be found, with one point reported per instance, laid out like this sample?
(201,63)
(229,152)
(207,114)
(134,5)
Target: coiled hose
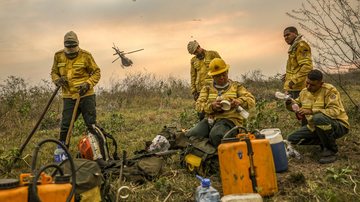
(57,167)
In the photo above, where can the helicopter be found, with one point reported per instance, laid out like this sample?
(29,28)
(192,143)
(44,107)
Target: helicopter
(125,62)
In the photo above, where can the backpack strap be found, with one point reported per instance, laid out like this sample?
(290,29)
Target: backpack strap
(108,135)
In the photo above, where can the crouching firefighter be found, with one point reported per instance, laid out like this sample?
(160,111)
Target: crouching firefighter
(75,71)
(222,101)
(327,120)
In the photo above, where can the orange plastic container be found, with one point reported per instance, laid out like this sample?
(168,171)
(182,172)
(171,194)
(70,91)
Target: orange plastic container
(47,191)
(236,169)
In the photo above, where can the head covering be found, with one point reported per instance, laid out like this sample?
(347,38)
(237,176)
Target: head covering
(70,39)
(192,46)
(217,66)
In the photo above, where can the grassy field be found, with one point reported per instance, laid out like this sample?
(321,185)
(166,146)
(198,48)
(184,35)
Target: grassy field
(135,110)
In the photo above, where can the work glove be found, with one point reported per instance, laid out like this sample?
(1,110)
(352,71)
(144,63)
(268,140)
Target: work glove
(61,82)
(196,95)
(83,88)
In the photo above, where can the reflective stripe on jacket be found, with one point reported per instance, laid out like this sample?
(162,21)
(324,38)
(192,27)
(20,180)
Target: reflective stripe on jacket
(209,93)
(299,64)
(199,70)
(77,71)
(326,100)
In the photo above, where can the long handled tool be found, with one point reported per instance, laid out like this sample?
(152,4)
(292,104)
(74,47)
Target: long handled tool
(35,128)
(68,136)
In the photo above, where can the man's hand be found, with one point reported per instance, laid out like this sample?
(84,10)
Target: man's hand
(291,84)
(196,95)
(235,103)
(216,106)
(83,88)
(62,82)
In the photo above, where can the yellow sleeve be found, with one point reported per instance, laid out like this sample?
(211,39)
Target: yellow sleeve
(303,57)
(55,74)
(332,104)
(94,72)
(193,74)
(202,103)
(246,99)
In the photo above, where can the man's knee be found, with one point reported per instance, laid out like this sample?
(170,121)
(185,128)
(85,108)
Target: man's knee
(293,139)
(320,119)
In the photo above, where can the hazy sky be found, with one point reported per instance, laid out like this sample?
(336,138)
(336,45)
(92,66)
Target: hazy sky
(246,33)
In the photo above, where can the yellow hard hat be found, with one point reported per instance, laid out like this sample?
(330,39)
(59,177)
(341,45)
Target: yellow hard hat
(192,46)
(217,66)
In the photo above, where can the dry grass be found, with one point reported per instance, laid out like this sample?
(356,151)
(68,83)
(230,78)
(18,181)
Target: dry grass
(134,119)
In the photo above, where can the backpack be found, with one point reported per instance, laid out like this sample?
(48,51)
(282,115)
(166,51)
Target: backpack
(93,145)
(200,157)
(88,179)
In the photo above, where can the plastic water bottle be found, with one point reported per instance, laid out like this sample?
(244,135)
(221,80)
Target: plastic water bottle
(59,154)
(205,192)
(242,112)
(295,107)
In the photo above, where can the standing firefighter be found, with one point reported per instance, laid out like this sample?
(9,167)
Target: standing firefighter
(299,62)
(220,101)
(327,120)
(76,72)
(200,68)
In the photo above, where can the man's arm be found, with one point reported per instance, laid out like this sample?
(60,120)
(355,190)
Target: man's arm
(245,98)
(193,75)
(55,74)
(303,57)
(202,103)
(333,105)
(94,72)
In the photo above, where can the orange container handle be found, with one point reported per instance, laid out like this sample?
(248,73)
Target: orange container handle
(25,178)
(45,179)
(243,136)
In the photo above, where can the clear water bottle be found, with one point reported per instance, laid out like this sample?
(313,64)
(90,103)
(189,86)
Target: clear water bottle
(295,107)
(59,154)
(242,112)
(205,192)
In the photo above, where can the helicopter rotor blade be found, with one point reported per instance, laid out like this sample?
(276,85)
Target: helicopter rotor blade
(115,59)
(134,51)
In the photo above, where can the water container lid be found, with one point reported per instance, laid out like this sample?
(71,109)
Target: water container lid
(62,179)
(205,182)
(8,183)
(272,134)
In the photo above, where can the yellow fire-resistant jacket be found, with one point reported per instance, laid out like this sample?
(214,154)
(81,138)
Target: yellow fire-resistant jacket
(78,70)
(199,70)
(299,64)
(209,93)
(327,101)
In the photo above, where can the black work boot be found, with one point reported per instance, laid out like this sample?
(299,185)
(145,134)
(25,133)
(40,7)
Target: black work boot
(327,156)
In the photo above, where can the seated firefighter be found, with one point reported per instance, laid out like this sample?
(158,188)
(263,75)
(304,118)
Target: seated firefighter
(220,101)
(327,120)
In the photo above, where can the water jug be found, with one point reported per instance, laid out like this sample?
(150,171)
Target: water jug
(277,148)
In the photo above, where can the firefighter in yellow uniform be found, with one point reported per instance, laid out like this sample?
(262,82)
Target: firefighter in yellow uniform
(75,70)
(220,101)
(299,62)
(327,120)
(200,68)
